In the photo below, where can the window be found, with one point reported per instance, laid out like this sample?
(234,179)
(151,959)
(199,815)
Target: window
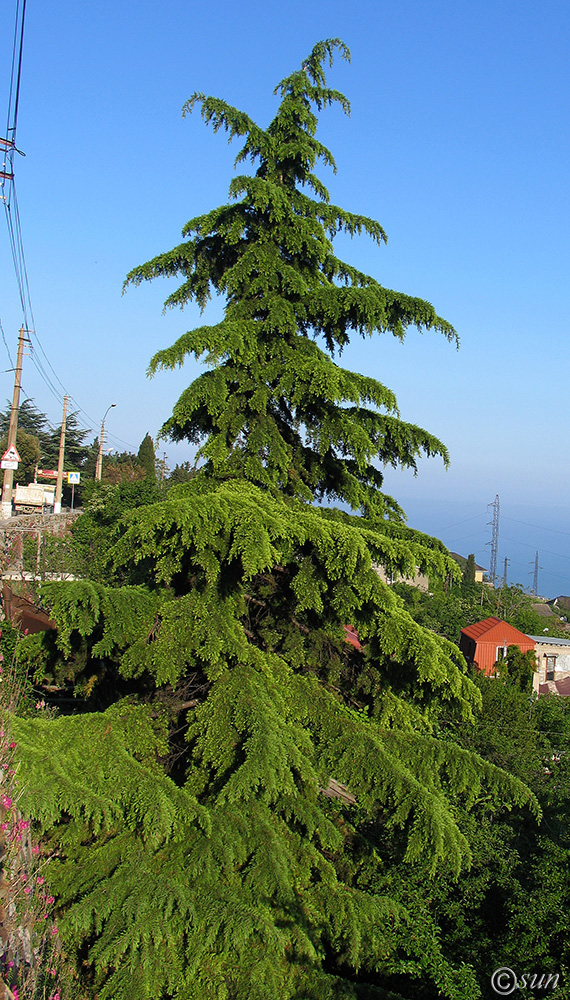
(501,652)
(550,667)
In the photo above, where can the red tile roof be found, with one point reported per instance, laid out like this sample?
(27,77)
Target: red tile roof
(479,628)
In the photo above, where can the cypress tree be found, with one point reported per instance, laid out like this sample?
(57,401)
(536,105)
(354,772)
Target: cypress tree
(252,866)
(468,576)
(146,457)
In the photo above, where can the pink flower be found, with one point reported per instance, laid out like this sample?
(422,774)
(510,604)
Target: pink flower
(23,876)
(54,930)
(50,899)
(40,880)
(28,890)
(40,704)
(11,745)
(6,801)
(4,826)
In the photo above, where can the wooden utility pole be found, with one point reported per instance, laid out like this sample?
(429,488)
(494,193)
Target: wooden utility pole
(60,460)
(8,481)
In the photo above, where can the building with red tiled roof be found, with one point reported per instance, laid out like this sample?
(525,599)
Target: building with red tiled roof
(486,642)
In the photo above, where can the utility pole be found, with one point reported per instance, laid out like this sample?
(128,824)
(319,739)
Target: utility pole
(99,466)
(8,481)
(494,538)
(505,573)
(60,460)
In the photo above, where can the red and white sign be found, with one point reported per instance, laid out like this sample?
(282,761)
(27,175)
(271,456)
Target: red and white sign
(11,455)
(48,473)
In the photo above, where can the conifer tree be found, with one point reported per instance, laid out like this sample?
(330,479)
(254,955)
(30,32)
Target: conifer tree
(146,457)
(250,862)
(275,408)
(468,577)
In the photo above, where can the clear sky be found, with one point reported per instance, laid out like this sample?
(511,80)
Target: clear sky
(457,144)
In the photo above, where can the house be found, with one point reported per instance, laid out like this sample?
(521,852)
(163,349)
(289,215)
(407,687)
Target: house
(486,642)
(553,662)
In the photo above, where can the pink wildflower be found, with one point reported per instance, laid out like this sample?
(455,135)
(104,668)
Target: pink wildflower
(6,801)
(50,899)
(28,890)
(54,930)
(40,880)
(35,849)
(12,745)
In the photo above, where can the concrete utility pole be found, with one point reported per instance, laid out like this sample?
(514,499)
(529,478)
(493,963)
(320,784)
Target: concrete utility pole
(60,461)
(505,573)
(8,481)
(99,466)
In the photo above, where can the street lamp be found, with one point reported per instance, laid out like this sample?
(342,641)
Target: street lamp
(99,466)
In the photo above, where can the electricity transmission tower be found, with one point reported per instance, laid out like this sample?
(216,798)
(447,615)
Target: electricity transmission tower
(494,538)
(535,577)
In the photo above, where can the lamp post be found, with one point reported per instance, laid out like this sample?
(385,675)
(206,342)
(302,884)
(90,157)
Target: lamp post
(99,466)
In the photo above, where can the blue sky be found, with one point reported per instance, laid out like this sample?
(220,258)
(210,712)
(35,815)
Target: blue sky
(457,144)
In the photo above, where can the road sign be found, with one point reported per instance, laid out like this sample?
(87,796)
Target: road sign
(11,455)
(6,463)
(73,478)
(48,473)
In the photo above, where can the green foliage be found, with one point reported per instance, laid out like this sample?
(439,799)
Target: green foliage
(518,667)
(45,448)
(275,408)
(263,815)
(146,457)
(448,611)
(28,448)
(181,473)
(468,576)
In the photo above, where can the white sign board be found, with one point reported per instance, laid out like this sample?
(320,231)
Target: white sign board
(73,478)
(7,463)
(11,455)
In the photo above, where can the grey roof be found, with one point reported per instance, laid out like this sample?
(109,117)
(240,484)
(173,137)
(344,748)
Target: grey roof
(550,639)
